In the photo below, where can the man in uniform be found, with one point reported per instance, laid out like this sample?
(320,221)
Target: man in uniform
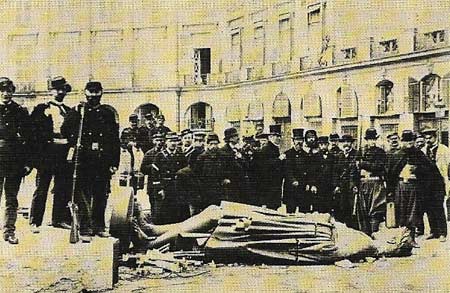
(323,202)
(232,169)
(334,144)
(51,157)
(148,168)
(169,206)
(160,127)
(294,184)
(15,133)
(187,139)
(198,147)
(269,166)
(438,184)
(135,136)
(99,158)
(371,205)
(346,182)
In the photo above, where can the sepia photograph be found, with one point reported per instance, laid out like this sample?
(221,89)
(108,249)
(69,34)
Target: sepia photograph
(224,146)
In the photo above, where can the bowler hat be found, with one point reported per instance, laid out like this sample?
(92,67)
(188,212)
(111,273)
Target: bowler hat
(297,133)
(229,133)
(7,84)
(59,82)
(275,129)
(310,132)
(185,132)
(172,136)
(261,136)
(391,135)
(212,137)
(322,139)
(133,117)
(408,135)
(347,138)
(371,133)
(93,86)
(334,137)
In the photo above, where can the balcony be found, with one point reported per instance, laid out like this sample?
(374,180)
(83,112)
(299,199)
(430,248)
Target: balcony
(201,123)
(191,80)
(383,49)
(430,40)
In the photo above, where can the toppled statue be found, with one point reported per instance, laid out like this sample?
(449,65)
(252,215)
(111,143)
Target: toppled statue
(249,234)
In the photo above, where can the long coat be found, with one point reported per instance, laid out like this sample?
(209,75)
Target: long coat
(209,168)
(232,170)
(295,170)
(270,176)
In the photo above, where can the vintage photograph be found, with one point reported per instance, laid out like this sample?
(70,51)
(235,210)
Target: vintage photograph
(224,146)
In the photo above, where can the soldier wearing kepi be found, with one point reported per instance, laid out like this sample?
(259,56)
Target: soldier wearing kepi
(99,158)
(269,166)
(371,205)
(160,127)
(135,136)
(51,157)
(15,132)
(169,209)
(294,184)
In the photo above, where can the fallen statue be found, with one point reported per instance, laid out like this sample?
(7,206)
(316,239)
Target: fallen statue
(249,234)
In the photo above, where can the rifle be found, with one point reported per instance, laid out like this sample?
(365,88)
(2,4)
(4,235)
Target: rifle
(75,227)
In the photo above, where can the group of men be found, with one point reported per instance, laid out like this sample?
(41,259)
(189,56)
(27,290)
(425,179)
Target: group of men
(78,147)
(189,171)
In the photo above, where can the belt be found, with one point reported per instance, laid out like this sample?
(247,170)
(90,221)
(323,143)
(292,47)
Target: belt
(371,178)
(60,141)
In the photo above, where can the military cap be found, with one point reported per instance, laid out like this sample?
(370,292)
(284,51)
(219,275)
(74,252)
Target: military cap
(322,139)
(297,133)
(185,131)
(159,135)
(7,84)
(408,135)
(94,86)
(371,133)
(59,82)
(229,133)
(310,132)
(334,137)
(199,134)
(172,136)
(212,137)
(347,138)
(275,129)
(429,131)
(133,117)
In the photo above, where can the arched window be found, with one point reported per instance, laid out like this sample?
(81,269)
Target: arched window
(199,116)
(385,101)
(425,95)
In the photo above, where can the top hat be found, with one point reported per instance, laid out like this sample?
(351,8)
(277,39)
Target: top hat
(311,132)
(275,129)
(347,138)
(408,135)
(172,136)
(185,131)
(59,82)
(212,137)
(371,133)
(229,133)
(322,139)
(94,86)
(7,84)
(133,117)
(334,137)
(297,133)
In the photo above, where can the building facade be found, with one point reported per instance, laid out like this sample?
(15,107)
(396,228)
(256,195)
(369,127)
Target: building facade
(335,66)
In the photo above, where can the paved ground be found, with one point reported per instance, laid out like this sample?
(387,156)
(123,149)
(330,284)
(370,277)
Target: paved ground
(427,270)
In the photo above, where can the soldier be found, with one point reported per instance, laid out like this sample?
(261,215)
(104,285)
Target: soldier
(160,127)
(294,184)
(187,139)
(199,147)
(209,169)
(346,182)
(406,180)
(232,169)
(269,166)
(169,206)
(334,144)
(323,202)
(135,136)
(438,184)
(371,205)
(51,157)
(15,132)
(99,158)
(148,168)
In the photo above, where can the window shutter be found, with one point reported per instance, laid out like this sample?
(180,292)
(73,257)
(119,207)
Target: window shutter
(413,95)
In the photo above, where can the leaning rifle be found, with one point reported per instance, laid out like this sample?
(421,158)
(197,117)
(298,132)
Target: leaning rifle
(75,226)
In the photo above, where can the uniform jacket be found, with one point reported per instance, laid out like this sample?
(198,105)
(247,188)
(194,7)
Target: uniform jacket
(166,165)
(139,135)
(346,174)
(147,167)
(100,138)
